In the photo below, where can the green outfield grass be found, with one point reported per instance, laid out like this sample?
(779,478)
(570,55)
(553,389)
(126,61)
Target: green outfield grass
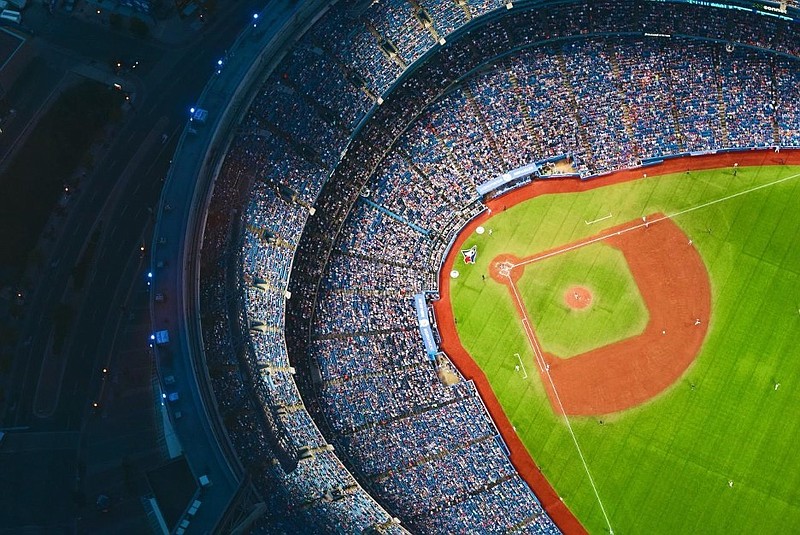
(665,467)
(617,310)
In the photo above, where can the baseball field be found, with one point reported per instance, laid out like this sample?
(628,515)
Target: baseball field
(641,337)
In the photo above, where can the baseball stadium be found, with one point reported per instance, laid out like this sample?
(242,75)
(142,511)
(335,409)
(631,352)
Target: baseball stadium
(482,266)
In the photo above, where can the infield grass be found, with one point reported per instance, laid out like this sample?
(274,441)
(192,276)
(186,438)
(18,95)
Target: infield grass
(617,310)
(666,466)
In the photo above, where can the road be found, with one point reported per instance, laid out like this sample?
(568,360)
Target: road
(117,201)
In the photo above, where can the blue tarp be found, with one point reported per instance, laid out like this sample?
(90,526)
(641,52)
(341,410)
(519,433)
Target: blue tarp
(424,323)
(505,178)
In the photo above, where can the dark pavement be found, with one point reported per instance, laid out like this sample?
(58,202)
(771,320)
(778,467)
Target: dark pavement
(81,452)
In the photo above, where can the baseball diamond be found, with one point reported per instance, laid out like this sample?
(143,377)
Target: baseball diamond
(712,255)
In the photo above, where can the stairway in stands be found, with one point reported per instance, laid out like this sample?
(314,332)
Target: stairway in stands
(722,109)
(568,83)
(523,106)
(425,20)
(773,97)
(465,7)
(475,109)
(386,47)
(627,118)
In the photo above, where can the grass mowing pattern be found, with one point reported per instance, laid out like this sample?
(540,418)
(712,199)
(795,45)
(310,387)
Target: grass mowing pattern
(617,311)
(664,467)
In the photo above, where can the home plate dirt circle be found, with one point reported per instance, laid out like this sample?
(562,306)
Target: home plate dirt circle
(578,297)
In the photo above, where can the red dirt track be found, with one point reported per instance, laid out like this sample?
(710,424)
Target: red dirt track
(451,345)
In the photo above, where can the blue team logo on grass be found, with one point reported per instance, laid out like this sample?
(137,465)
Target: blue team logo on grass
(470,254)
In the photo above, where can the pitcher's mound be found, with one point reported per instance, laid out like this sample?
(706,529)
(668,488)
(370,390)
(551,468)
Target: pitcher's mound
(577,297)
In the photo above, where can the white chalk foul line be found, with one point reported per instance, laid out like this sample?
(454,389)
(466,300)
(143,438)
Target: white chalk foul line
(537,351)
(656,220)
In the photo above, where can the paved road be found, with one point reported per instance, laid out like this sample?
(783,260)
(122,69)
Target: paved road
(120,198)
(185,192)
(117,201)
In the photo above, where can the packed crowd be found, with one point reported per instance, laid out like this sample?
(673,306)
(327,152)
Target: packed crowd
(339,358)
(290,117)
(392,393)
(436,165)
(495,94)
(607,104)
(478,512)
(403,191)
(446,16)
(321,487)
(346,272)
(397,21)
(646,82)
(361,311)
(444,482)
(318,489)
(748,98)
(429,450)
(428,434)
(320,78)
(366,220)
(787,80)
(459,128)
(600,108)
